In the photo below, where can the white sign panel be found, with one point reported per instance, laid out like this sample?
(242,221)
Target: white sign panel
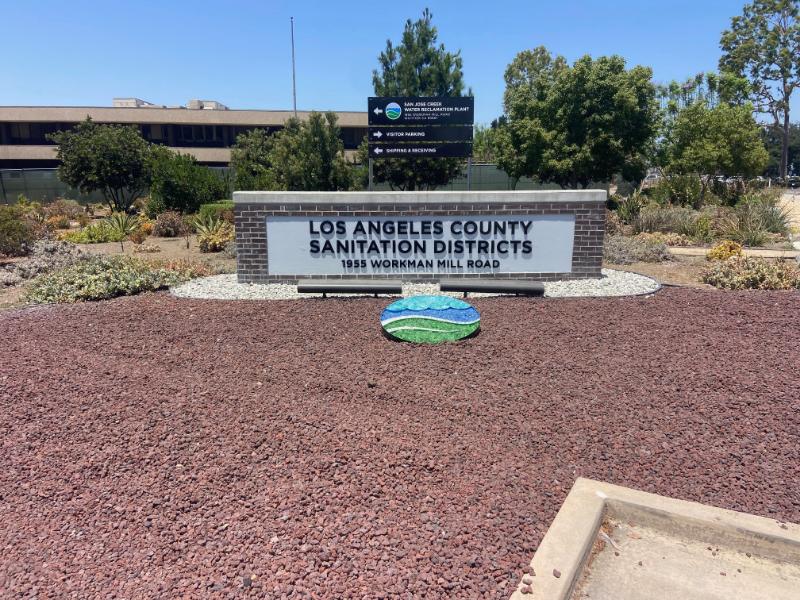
(400,245)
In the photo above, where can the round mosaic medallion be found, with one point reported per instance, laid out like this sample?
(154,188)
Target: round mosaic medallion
(430,319)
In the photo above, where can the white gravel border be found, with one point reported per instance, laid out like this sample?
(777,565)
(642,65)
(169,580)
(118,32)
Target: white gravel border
(225,287)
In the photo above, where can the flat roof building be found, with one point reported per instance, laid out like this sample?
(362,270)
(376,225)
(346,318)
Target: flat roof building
(206,129)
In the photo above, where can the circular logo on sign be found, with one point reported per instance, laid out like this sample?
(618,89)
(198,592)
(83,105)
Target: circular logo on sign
(393,111)
(430,319)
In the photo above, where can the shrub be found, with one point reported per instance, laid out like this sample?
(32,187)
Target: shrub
(190,223)
(213,234)
(30,208)
(101,277)
(679,190)
(57,222)
(123,226)
(621,250)
(64,207)
(186,269)
(46,256)
(217,210)
(750,273)
(8,278)
(180,184)
(146,225)
(230,250)
(169,224)
(98,232)
(146,248)
(745,226)
(668,219)
(613,223)
(768,209)
(629,208)
(670,239)
(154,206)
(138,236)
(724,250)
(16,233)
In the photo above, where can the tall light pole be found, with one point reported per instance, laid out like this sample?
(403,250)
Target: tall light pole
(294,88)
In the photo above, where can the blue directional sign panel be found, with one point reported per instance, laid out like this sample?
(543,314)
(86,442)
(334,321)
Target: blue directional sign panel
(433,110)
(444,150)
(420,133)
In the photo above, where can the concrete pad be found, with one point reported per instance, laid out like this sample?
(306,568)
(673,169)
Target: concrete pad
(613,543)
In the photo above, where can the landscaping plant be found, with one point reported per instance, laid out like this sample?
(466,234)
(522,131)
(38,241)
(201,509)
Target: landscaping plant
(169,224)
(112,159)
(179,183)
(100,277)
(218,210)
(122,225)
(213,234)
(63,207)
(45,256)
(97,232)
(622,250)
(670,239)
(629,208)
(724,250)
(668,219)
(16,234)
(751,273)
(57,222)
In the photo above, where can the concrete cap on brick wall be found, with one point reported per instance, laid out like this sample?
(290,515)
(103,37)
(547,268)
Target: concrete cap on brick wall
(435,197)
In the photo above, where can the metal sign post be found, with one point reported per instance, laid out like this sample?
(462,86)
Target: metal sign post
(369,187)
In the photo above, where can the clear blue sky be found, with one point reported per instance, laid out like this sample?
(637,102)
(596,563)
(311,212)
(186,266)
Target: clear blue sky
(84,53)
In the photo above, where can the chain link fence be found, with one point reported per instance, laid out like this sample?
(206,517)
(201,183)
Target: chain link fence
(43,185)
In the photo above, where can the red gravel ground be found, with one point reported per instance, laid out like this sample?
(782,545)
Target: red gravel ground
(161,448)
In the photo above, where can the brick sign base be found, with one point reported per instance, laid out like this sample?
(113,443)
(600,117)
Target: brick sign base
(252,209)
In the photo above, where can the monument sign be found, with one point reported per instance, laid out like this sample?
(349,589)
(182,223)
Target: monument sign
(419,236)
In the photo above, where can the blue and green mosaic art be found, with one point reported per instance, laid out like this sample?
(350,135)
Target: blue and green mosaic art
(430,319)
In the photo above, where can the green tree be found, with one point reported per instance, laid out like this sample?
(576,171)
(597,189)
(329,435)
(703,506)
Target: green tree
(773,140)
(112,159)
(250,160)
(179,183)
(723,140)
(417,66)
(711,88)
(309,156)
(763,45)
(483,143)
(572,125)
(304,156)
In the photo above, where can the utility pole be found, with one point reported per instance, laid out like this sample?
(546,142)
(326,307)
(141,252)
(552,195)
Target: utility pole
(294,88)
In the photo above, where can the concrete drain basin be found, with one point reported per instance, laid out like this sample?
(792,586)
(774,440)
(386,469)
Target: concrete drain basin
(612,543)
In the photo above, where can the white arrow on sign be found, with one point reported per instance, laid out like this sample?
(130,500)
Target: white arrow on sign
(378,150)
(378,134)
(377,111)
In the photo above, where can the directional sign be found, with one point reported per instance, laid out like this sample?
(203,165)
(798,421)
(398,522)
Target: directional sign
(434,110)
(419,133)
(454,150)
